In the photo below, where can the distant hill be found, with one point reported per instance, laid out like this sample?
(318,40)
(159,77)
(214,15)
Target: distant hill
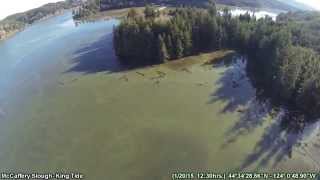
(33,15)
(90,7)
(297,5)
(272,4)
(16,22)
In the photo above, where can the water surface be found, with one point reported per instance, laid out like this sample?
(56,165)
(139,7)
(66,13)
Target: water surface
(258,13)
(67,105)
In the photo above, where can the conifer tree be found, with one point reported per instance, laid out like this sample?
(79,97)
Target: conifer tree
(179,49)
(212,10)
(162,53)
(187,43)
(169,46)
(132,13)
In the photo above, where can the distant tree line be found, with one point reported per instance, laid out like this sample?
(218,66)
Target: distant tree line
(116,4)
(280,59)
(18,21)
(274,4)
(86,9)
(90,7)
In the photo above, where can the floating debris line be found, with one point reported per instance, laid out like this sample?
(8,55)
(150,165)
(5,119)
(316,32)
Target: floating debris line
(186,70)
(124,77)
(141,74)
(162,74)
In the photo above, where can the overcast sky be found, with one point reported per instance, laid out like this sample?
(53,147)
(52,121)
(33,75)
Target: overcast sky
(9,7)
(313,3)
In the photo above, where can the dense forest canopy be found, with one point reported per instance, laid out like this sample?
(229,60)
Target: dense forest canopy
(305,27)
(282,61)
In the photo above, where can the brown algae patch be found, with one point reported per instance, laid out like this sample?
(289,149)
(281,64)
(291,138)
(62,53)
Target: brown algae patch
(204,58)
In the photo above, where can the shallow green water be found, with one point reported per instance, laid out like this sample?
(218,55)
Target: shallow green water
(66,106)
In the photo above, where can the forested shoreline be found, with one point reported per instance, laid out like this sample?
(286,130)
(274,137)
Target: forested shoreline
(273,4)
(282,57)
(19,21)
(91,8)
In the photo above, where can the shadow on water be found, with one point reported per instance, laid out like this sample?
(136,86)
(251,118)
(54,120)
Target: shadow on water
(234,86)
(237,91)
(96,57)
(99,57)
(277,141)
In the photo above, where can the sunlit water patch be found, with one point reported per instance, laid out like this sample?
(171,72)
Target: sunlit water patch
(257,13)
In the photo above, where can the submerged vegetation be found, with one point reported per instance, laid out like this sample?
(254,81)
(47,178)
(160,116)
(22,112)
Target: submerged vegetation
(281,61)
